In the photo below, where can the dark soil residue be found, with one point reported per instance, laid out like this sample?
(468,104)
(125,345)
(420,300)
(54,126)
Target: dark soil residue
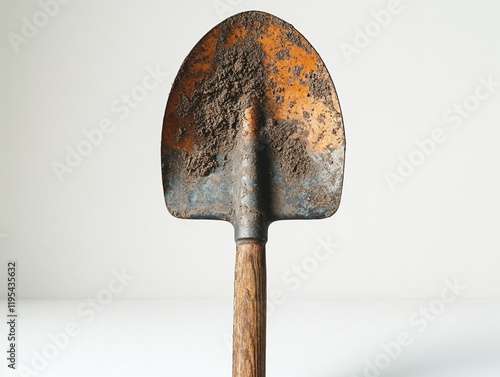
(294,38)
(318,86)
(282,54)
(286,148)
(236,77)
(183,108)
(217,104)
(297,69)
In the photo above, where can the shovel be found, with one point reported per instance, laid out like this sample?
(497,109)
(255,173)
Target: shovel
(252,134)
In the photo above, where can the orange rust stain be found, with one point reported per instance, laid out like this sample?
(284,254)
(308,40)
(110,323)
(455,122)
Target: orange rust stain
(250,125)
(199,64)
(296,100)
(178,132)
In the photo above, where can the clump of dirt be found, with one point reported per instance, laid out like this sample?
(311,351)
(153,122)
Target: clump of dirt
(282,54)
(200,163)
(183,108)
(287,148)
(319,86)
(217,104)
(297,69)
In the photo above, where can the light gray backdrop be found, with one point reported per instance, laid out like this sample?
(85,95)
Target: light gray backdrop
(414,212)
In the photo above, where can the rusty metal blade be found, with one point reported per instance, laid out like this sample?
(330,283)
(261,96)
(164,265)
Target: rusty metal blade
(253,131)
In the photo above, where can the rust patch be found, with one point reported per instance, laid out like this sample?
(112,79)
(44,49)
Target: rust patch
(304,86)
(179,123)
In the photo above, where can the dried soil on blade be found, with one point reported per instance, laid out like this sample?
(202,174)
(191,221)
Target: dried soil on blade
(240,74)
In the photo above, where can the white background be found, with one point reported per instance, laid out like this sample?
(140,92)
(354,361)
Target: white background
(440,223)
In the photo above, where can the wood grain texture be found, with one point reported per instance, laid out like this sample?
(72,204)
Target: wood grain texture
(249,328)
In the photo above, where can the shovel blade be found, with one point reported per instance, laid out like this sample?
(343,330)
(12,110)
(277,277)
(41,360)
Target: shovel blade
(257,61)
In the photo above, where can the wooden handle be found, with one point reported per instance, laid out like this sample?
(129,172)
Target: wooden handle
(249,328)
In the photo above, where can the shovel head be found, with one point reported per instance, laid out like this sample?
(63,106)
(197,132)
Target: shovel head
(253,131)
